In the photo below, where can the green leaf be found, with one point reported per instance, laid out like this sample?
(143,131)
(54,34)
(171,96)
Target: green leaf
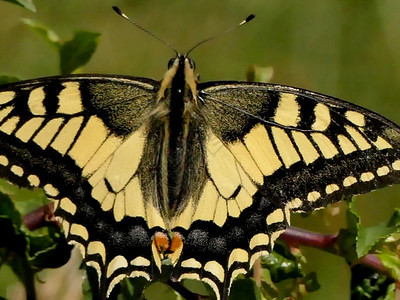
(347,238)
(4,79)
(49,35)
(78,51)
(245,288)
(7,209)
(280,267)
(368,237)
(28,4)
(160,291)
(391,262)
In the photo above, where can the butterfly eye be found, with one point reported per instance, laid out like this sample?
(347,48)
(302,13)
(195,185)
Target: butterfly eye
(171,63)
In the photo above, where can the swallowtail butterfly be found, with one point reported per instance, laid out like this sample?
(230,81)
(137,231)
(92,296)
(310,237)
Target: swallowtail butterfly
(204,174)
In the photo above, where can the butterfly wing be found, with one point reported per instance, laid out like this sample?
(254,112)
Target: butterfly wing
(81,139)
(270,149)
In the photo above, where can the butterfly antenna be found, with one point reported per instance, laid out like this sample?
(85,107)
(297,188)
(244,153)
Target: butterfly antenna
(245,21)
(118,11)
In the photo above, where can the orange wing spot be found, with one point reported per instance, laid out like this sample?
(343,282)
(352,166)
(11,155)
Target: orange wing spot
(161,242)
(176,243)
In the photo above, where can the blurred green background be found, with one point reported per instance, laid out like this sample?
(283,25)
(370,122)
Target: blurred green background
(348,49)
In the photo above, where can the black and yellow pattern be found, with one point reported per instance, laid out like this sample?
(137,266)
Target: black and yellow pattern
(218,166)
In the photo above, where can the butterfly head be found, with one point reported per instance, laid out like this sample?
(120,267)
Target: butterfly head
(180,66)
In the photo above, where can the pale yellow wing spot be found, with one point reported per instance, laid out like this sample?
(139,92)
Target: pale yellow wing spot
(140,261)
(79,230)
(6,96)
(207,204)
(90,139)
(221,212)
(33,180)
(70,99)
(295,203)
(260,146)
(50,190)
(326,146)
(246,161)
(331,188)
(3,160)
(125,160)
(134,202)
(396,165)
(238,255)
(66,226)
(285,147)
(367,176)
(67,135)
(9,125)
(67,205)
(46,134)
(260,239)
(193,276)
(287,112)
(221,166)
(17,170)
(350,180)
(381,144)
(191,263)
(345,144)
(361,142)
(313,196)
(35,101)
(140,274)
(116,263)
(97,247)
(275,217)
(322,117)
(382,171)
(5,112)
(26,131)
(216,269)
(355,117)
(236,273)
(306,148)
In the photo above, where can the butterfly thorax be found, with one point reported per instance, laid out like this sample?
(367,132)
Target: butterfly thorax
(179,94)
